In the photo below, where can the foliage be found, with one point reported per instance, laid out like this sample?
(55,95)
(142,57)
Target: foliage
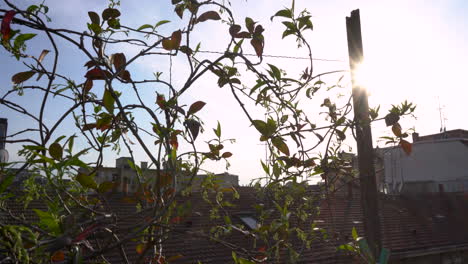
(104,104)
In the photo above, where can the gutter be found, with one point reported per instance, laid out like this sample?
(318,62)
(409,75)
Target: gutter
(429,251)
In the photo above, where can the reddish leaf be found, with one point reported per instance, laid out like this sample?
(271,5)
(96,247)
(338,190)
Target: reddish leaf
(161,101)
(193,126)
(406,146)
(234,29)
(396,128)
(210,15)
(88,84)
(257,43)
(175,220)
(140,248)
(119,61)
(86,232)
(173,141)
(110,13)
(174,258)
(58,256)
(173,42)
(89,126)
(125,75)
(98,74)
(243,34)
(22,77)
(195,107)
(5,28)
(309,163)
(91,64)
(226,155)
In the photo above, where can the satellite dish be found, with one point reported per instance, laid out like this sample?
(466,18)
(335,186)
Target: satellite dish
(4,156)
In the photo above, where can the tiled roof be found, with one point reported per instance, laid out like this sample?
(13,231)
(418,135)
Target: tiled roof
(408,224)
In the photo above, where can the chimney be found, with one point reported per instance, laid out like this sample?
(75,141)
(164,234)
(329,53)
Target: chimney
(415,137)
(144,165)
(3,132)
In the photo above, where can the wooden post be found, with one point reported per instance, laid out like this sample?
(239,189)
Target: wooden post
(368,186)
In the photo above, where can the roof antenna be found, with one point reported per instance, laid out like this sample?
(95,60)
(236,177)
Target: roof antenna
(441,116)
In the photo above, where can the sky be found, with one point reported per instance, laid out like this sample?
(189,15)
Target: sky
(414,50)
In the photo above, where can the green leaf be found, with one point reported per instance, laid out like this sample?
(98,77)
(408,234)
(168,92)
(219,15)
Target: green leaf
(56,151)
(95,28)
(275,72)
(195,107)
(48,220)
(110,13)
(162,22)
(354,234)
(108,101)
(86,181)
(283,13)
(105,186)
(384,256)
(95,19)
(173,42)
(210,15)
(19,40)
(261,126)
(145,26)
(237,46)
(114,23)
(280,145)
(22,77)
(6,182)
(217,131)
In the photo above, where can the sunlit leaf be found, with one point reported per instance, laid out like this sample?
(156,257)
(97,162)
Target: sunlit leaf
(43,54)
(56,151)
(145,26)
(140,248)
(210,15)
(283,13)
(22,77)
(162,22)
(86,181)
(195,107)
(280,145)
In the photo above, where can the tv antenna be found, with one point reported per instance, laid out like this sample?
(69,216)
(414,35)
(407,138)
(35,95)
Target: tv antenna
(442,117)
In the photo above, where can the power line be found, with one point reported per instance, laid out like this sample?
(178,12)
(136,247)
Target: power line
(272,56)
(277,56)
